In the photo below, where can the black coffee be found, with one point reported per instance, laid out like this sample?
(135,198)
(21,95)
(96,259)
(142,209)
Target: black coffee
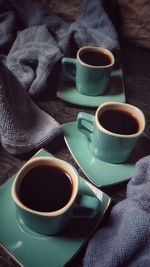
(95,58)
(119,122)
(45,189)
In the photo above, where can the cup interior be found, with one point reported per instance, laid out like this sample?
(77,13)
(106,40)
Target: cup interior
(98,57)
(120,119)
(45,186)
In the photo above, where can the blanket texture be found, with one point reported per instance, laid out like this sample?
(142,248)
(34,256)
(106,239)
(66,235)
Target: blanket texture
(33,41)
(125,241)
(25,126)
(41,38)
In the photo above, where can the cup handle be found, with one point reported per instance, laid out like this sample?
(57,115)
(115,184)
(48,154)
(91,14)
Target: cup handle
(69,72)
(91,199)
(89,189)
(85,124)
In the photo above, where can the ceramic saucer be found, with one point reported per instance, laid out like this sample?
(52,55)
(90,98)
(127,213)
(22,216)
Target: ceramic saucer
(68,92)
(99,172)
(33,249)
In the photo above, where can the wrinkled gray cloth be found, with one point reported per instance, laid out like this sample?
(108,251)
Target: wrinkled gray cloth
(125,241)
(93,27)
(23,126)
(32,57)
(39,39)
(33,41)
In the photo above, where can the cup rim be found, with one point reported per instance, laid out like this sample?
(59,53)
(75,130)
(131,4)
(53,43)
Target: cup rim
(126,106)
(47,161)
(96,48)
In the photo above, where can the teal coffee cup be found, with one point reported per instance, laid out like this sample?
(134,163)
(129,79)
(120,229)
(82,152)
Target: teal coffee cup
(90,70)
(114,130)
(44,192)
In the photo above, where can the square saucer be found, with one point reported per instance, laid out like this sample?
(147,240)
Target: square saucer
(33,249)
(99,172)
(68,92)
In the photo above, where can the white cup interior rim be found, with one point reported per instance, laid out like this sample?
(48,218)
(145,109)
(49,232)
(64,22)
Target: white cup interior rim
(96,49)
(133,110)
(65,166)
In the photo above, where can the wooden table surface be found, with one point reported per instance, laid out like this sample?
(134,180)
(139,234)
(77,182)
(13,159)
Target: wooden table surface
(136,70)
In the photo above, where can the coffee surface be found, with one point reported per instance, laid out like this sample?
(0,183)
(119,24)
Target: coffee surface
(45,189)
(95,58)
(119,122)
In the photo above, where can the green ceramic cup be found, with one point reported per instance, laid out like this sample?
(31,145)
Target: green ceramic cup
(44,193)
(90,70)
(114,130)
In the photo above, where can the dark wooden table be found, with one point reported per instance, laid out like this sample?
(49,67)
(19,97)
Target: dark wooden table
(136,70)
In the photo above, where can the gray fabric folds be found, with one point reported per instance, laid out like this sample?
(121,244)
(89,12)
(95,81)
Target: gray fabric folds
(93,27)
(42,38)
(32,58)
(23,125)
(125,241)
(33,40)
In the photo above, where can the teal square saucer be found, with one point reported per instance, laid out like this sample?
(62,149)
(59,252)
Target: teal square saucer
(68,92)
(99,172)
(33,249)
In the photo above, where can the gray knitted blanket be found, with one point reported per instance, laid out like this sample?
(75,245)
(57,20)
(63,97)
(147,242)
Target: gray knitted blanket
(33,41)
(125,241)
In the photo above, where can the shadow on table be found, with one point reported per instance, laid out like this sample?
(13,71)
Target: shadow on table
(141,150)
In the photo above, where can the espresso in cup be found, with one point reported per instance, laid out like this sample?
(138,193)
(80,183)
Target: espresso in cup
(119,122)
(90,70)
(38,192)
(114,130)
(95,58)
(44,193)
